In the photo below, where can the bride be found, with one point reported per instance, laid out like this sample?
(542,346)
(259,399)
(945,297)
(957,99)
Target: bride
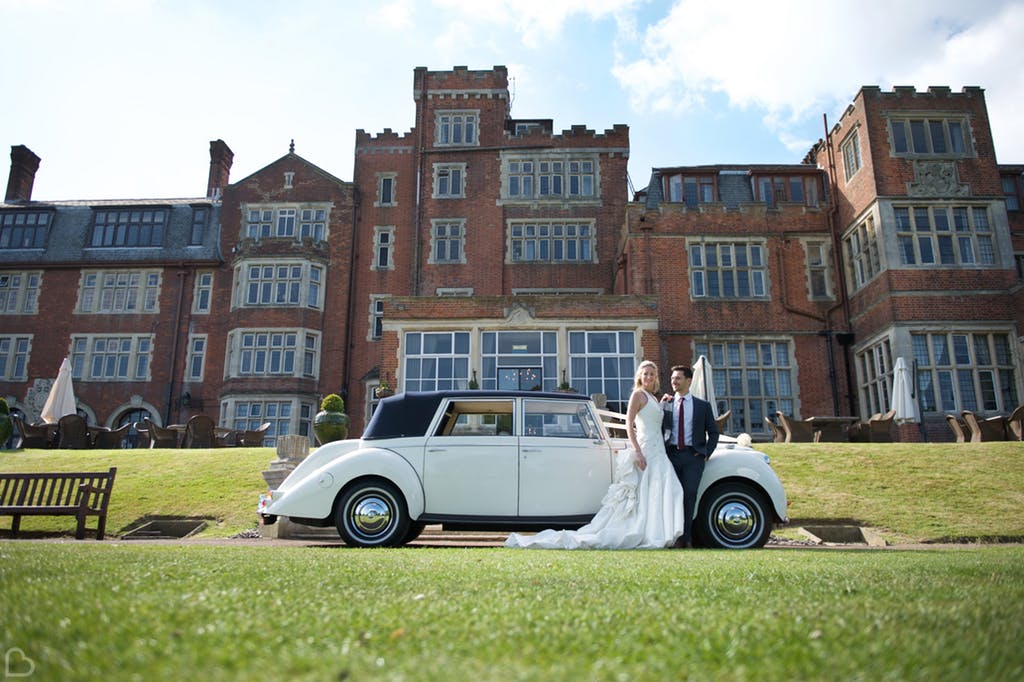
(643,508)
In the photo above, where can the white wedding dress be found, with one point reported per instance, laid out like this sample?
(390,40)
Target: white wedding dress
(641,510)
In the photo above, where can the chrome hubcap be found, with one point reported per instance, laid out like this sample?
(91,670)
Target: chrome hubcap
(371,515)
(735,520)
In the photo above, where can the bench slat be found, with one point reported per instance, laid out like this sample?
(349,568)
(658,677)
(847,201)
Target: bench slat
(57,494)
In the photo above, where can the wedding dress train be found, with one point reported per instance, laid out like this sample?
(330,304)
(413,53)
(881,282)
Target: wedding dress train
(641,510)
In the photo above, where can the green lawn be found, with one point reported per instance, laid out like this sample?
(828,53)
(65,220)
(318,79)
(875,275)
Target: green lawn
(910,492)
(118,611)
(151,611)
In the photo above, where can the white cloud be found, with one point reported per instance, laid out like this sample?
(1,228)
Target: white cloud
(792,61)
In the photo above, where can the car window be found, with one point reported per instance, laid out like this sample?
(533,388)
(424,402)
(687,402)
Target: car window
(559,419)
(477,418)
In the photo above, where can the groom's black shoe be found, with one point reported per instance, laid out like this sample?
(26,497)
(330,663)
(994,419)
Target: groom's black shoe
(681,544)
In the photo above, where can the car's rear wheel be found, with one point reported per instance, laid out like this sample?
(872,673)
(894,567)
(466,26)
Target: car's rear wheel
(733,516)
(372,514)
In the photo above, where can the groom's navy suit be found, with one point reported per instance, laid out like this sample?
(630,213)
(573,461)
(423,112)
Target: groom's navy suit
(689,459)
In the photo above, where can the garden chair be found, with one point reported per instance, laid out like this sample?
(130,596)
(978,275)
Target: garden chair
(1015,424)
(112,438)
(73,432)
(254,438)
(880,427)
(32,435)
(723,421)
(199,432)
(777,434)
(957,427)
(797,431)
(159,437)
(990,429)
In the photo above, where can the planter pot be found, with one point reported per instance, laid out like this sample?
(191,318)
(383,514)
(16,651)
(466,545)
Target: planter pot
(382,392)
(330,426)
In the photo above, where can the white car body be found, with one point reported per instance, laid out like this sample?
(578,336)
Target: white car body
(499,460)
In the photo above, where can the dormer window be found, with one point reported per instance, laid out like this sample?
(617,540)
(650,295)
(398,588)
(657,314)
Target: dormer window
(129,227)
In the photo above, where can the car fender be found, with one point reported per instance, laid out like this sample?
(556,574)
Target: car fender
(312,496)
(736,463)
(317,459)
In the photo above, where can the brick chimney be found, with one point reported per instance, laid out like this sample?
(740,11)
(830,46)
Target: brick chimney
(221,157)
(24,165)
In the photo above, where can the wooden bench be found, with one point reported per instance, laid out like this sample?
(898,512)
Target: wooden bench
(57,494)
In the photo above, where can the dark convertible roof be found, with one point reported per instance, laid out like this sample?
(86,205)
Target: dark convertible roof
(409,413)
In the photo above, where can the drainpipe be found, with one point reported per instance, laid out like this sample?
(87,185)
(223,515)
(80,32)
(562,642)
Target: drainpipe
(353,257)
(174,341)
(421,112)
(845,339)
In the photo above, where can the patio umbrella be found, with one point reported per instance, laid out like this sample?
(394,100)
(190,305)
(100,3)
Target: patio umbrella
(61,400)
(703,385)
(902,394)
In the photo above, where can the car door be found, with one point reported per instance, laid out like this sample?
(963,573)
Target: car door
(565,463)
(469,466)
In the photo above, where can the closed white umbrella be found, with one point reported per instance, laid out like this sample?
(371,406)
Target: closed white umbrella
(902,394)
(703,385)
(61,400)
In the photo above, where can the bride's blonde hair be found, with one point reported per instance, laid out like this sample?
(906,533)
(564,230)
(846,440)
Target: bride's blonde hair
(640,368)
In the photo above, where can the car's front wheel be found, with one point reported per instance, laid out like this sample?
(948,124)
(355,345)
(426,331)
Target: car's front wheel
(372,514)
(733,516)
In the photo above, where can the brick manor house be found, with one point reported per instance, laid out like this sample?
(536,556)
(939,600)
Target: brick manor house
(478,249)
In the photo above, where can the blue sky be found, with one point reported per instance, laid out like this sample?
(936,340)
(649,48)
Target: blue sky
(120,98)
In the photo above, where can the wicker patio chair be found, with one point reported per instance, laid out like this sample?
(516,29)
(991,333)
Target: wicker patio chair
(112,438)
(159,437)
(73,432)
(796,430)
(254,438)
(199,432)
(32,435)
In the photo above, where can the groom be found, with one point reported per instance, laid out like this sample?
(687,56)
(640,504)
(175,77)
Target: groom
(691,436)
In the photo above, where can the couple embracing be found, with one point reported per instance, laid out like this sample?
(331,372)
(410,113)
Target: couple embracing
(650,503)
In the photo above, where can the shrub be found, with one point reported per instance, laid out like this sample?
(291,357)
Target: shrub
(332,403)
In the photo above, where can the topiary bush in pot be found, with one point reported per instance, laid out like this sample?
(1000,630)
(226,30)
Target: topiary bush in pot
(331,422)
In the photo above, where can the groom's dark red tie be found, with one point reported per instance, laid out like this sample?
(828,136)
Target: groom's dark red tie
(682,424)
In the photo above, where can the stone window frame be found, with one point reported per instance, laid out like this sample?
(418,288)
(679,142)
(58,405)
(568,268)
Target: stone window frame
(130,292)
(122,357)
(387,189)
(195,361)
(727,273)
(445,126)
(19,292)
(15,351)
(850,150)
(440,170)
(437,238)
(383,242)
(310,281)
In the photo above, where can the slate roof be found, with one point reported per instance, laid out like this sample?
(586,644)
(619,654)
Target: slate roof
(71,227)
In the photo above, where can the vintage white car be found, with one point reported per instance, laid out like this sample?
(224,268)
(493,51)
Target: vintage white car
(501,460)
